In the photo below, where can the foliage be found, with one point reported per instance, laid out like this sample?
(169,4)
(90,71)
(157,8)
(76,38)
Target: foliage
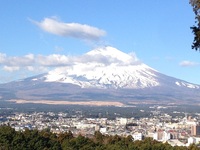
(196,28)
(46,140)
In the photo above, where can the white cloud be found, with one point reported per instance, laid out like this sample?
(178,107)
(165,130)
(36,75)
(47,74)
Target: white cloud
(37,69)
(30,68)
(2,57)
(34,63)
(53,60)
(75,30)
(187,63)
(42,63)
(11,68)
(107,60)
(34,60)
(17,60)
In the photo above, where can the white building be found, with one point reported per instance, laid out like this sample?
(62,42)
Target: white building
(103,130)
(84,125)
(166,136)
(122,121)
(162,136)
(137,136)
(193,140)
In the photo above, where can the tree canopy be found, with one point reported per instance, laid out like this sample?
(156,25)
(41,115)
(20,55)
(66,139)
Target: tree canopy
(46,140)
(196,28)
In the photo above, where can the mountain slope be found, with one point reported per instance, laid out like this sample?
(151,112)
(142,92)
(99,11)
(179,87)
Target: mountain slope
(102,74)
(107,68)
(110,68)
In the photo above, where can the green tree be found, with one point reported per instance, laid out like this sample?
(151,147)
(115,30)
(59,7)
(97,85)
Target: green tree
(18,142)
(193,147)
(7,135)
(98,137)
(196,28)
(65,136)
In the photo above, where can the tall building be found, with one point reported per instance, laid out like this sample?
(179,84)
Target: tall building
(161,135)
(195,130)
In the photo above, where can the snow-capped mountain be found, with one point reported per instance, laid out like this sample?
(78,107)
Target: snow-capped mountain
(109,68)
(102,74)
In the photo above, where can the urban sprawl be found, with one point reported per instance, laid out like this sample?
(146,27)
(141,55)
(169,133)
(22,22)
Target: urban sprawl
(177,131)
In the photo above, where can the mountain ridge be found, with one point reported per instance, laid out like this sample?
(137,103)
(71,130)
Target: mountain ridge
(123,71)
(105,74)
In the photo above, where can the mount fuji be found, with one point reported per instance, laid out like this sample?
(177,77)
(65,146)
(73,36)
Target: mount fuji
(108,68)
(105,74)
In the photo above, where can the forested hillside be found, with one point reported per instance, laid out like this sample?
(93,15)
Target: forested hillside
(46,140)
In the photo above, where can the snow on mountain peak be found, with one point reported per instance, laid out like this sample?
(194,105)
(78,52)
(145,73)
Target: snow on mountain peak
(106,67)
(112,55)
(111,52)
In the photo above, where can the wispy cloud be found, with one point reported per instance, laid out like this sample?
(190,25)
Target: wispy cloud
(11,68)
(187,63)
(32,62)
(42,63)
(75,30)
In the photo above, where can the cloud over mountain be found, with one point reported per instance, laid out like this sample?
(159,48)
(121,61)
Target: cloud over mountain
(75,30)
(33,62)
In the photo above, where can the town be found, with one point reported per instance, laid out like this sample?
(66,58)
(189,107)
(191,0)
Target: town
(177,130)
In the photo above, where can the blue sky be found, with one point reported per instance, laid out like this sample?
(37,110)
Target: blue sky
(35,34)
